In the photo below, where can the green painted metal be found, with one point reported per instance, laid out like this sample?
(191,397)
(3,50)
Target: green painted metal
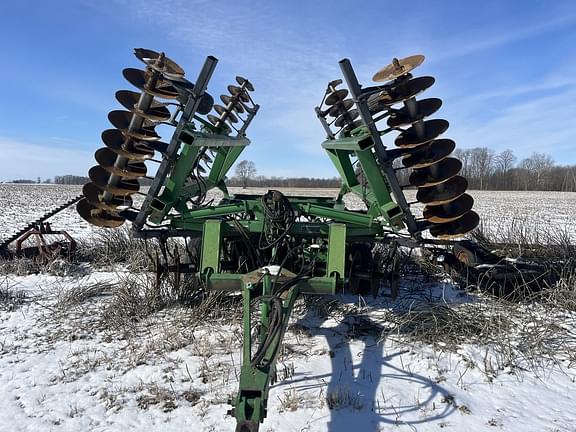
(211,241)
(252,398)
(336,250)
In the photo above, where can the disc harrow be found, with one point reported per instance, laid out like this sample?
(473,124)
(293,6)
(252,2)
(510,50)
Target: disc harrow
(434,174)
(271,247)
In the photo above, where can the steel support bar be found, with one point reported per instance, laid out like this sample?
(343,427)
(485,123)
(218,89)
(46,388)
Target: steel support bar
(168,160)
(379,148)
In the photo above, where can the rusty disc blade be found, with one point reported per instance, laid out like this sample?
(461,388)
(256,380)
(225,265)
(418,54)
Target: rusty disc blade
(230,115)
(237,91)
(94,195)
(432,130)
(100,178)
(347,118)
(138,79)
(150,58)
(449,211)
(238,106)
(116,141)
(157,112)
(339,107)
(107,160)
(401,92)
(247,84)
(215,120)
(436,173)
(96,216)
(398,68)
(338,95)
(121,120)
(424,108)
(444,192)
(429,154)
(456,228)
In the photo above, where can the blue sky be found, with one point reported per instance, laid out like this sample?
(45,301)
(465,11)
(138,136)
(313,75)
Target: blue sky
(506,70)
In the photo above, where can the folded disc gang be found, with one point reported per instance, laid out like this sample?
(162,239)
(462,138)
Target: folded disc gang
(121,120)
(138,79)
(116,141)
(237,91)
(95,196)
(157,112)
(424,108)
(450,211)
(100,177)
(456,228)
(398,68)
(444,192)
(340,106)
(347,118)
(96,216)
(435,174)
(432,130)
(130,170)
(429,154)
(403,91)
(336,96)
(150,57)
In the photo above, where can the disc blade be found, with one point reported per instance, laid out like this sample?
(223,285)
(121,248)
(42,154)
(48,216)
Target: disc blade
(398,68)
(336,96)
(237,105)
(456,228)
(432,130)
(347,118)
(95,196)
(247,84)
(403,91)
(99,217)
(339,107)
(237,91)
(150,57)
(444,192)
(107,160)
(129,100)
(429,154)
(116,141)
(450,211)
(436,173)
(215,120)
(121,120)
(424,108)
(138,79)
(230,115)
(100,178)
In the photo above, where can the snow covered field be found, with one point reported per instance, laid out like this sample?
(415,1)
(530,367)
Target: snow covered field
(547,211)
(68,364)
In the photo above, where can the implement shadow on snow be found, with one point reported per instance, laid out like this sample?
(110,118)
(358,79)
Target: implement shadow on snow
(378,390)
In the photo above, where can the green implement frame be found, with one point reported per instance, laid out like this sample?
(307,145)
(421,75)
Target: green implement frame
(270,247)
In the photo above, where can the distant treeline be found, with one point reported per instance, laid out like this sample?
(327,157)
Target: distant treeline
(483,168)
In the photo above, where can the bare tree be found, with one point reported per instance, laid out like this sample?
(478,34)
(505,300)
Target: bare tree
(245,170)
(504,162)
(538,165)
(481,163)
